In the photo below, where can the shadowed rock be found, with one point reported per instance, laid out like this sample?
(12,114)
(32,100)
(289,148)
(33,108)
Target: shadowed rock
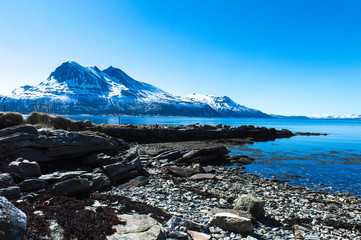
(12,221)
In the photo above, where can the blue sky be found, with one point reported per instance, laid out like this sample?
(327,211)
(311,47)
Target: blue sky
(282,57)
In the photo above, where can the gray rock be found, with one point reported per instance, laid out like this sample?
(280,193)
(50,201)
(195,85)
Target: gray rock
(182,171)
(202,176)
(55,176)
(140,227)
(6,180)
(125,169)
(72,187)
(24,168)
(232,222)
(135,182)
(100,180)
(33,185)
(175,222)
(10,192)
(206,156)
(12,221)
(250,204)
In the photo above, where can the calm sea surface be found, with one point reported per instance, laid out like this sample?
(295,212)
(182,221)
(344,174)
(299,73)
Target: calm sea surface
(331,163)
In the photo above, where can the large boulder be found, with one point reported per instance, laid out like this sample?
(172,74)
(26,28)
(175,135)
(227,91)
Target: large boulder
(24,168)
(9,119)
(232,222)
(140,227)
(12,221)
(251,204)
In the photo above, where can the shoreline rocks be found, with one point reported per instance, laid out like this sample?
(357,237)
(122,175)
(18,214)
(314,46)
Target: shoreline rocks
(185,193)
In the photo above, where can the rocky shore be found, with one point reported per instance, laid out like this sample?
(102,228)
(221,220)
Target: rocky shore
(64,179)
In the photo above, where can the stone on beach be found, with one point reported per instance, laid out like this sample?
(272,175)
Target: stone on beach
(198,235)
(33,185)
(202,176)
(141,227)
(12,221)
(6,180)
(72,187)
(24,168)
(232,222)
(10,192)
(250,204)
(182,171)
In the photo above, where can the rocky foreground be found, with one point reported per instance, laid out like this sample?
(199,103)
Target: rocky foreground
(71,180)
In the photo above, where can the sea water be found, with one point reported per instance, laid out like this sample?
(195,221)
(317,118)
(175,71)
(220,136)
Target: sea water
(331,163)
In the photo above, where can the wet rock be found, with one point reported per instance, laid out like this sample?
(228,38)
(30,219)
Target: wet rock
(24,168)
(10,193)
(33,185)
(72,187)
(12,221)
(202,176)
(232,222)
(198,235)
(9,119)
(141,227)
(182,171)
(250,204)
(6,180)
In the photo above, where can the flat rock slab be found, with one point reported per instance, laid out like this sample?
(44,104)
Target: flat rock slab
(232,222)
(140,227)
(202,176)
(240,213)
(182,171)
(55,176)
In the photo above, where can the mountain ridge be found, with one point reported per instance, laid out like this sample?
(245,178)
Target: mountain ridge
(76,89)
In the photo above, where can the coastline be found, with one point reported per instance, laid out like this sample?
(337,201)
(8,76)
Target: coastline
(149,187)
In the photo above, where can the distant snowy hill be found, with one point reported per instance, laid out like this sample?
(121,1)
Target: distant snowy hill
(331,116)
(76,89)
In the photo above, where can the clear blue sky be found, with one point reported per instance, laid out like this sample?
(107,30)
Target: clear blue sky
(282,57)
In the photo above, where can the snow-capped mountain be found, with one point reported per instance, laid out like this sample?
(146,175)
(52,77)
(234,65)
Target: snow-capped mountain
(76,89)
